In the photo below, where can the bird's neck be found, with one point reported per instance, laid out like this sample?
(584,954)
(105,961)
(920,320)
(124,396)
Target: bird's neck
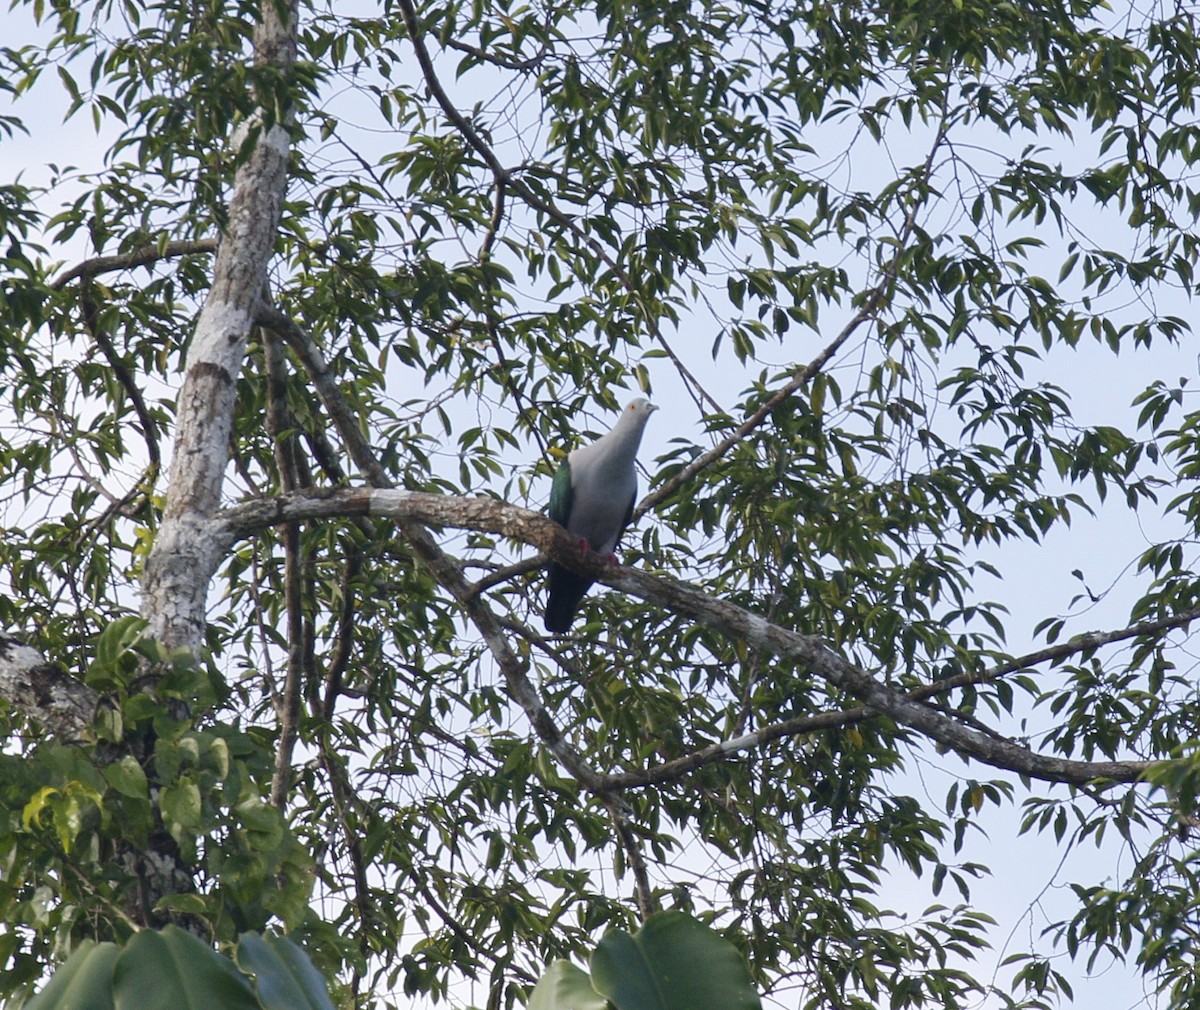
(620,442)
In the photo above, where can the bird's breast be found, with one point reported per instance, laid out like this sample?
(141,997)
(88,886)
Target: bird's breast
(599,507)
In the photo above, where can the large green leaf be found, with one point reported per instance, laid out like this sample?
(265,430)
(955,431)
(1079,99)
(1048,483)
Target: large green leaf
(82,982)
(672,963)
(174,970)
(565,987)
(283,975)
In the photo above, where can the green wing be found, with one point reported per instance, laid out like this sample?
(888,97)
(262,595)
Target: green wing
(561,494)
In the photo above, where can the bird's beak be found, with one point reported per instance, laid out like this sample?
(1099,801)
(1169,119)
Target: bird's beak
(653,407)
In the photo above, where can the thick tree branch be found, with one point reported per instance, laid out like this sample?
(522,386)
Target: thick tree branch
(180,568)
(185,555)
(445,568)
(43,692)
(491,515)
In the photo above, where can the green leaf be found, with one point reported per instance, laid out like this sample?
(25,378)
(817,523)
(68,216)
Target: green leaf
(174,970)
(565,987)
(37,803)
(181,805)
(672,963)
(264,824)
(284,977)
(68,818)
(127,778)
(82,982)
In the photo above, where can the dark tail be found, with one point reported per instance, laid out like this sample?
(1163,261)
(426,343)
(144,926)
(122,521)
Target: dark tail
(566,589)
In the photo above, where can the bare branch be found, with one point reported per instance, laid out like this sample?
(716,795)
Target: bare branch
(489,239)
(532,63)
(137,258)
(339,659)
(507,573)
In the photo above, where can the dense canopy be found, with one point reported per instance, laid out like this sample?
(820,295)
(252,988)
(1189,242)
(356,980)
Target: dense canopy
(286,366)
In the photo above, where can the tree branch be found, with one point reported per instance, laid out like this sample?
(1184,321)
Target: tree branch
(185,556)
(531,63)
(316,368)
(91,320)
(506,176)
(280,426)
(43,692)
(636,858)
(1079,643)
(344,798)
(493,516)
(872,303)
(446,569)
(137,258)
(180,565)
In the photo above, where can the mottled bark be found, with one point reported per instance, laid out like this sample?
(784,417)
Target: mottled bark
(186,552)
(185,556)
(44,692)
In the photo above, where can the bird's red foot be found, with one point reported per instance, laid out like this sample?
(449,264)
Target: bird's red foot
(612,561)
(583,542)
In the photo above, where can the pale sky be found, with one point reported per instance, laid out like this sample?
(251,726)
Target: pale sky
(1025,870)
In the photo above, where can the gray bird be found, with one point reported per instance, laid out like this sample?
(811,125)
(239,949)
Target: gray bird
(592,498)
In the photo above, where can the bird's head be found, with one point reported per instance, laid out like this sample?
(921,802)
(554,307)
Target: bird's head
(640,408)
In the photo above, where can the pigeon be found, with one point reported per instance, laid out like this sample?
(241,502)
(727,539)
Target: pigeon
(592,498)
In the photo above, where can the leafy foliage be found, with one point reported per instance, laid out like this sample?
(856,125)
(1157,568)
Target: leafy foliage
(909,238)
(172,968)
(671,963)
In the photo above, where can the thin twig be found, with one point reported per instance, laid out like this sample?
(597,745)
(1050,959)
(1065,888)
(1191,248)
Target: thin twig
(532,63)
(505,175)
(91,320)
(872,303)
(466,936)
(279,427)
(508,572)
(1079,643)
(344,636)
(344,798)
